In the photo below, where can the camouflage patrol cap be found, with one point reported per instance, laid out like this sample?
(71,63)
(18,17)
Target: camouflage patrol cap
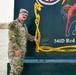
(24,11)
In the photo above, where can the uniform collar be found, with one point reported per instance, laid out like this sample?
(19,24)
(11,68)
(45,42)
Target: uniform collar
(20,22)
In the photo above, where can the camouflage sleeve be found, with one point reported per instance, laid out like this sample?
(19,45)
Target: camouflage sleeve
(12,36)
(30,37)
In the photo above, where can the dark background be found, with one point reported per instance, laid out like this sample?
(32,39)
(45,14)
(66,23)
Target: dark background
(51,26)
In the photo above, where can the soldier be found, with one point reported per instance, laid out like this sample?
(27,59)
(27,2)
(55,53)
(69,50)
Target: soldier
(18,36)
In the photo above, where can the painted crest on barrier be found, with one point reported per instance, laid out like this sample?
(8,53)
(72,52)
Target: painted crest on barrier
(49,2)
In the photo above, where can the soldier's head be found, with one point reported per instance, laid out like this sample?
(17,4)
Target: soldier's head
(23,14)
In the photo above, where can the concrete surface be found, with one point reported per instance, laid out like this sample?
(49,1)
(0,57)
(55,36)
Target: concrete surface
(3,51)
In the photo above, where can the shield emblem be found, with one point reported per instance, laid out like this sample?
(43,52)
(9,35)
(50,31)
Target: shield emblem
(49,2)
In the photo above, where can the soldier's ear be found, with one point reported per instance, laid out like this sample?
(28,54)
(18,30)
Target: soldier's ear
(19,13)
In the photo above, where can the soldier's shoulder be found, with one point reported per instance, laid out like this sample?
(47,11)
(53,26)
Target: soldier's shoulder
(13,23)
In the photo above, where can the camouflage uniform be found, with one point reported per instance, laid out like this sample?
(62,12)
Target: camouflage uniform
(18,36)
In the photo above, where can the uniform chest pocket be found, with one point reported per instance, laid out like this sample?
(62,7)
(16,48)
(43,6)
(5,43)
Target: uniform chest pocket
(21,31)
